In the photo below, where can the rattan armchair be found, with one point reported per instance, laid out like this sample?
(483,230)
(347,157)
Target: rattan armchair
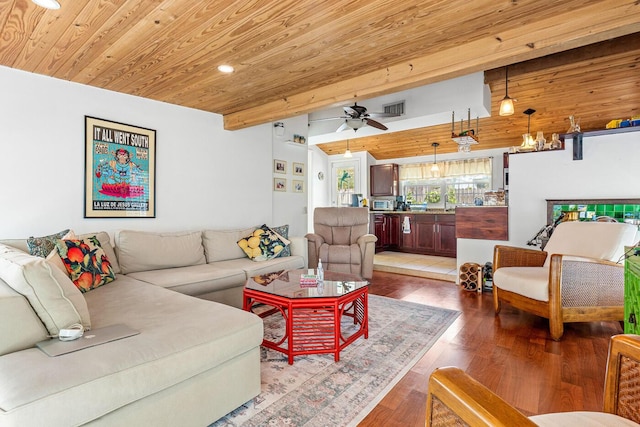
(576,279)
(456,399)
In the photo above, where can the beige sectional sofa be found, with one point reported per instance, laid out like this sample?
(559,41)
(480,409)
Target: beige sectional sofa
(193,361)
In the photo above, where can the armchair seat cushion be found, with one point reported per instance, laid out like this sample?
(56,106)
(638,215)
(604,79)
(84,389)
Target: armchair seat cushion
(531,282)
(341,258)
(581,419)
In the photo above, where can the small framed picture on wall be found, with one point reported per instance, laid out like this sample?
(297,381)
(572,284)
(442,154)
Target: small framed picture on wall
(298,169)
(298,186)
(279,184)
(280,166)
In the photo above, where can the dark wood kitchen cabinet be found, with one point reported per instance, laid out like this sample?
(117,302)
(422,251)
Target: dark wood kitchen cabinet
(407,241)
(387,229)
(430,235)
(383,180)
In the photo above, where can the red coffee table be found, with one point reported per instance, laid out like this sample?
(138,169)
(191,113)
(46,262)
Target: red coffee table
(312,315)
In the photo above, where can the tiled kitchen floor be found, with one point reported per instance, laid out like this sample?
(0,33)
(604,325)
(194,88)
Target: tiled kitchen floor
(434,267)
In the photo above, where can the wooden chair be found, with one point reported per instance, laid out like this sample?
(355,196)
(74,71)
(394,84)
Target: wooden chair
(577,278)
(456,399)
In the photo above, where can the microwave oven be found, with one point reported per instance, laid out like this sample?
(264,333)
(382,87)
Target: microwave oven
(382,205)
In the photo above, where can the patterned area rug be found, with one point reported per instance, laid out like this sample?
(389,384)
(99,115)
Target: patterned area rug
(316,391)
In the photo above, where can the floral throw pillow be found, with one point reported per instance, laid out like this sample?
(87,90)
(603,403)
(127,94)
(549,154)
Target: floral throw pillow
(263,244)
(283,231)
(42,246)
(86,262)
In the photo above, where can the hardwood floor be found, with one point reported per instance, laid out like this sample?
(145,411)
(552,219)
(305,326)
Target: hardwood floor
(512,354)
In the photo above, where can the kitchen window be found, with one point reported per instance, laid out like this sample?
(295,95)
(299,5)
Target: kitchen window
(462,182)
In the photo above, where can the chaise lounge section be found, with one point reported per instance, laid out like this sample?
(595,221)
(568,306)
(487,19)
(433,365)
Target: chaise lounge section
(193,361)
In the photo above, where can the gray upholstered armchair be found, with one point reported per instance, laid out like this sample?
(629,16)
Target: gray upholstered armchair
(342,241)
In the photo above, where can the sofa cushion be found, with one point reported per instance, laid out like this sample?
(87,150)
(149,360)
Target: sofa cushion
(592,239)
(221,245)
(251,268)
(86,262)
(531,282)
(55,299)
(193,280)
(42,246)
(143,251)
(20,327)
(263,244)
(180,337)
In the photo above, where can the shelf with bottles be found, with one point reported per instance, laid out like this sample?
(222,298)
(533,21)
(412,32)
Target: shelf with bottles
(539,144)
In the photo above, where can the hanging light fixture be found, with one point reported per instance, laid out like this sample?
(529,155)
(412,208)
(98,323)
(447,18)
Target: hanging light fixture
(347,153)
(506,106)
(435,170)
(527,140)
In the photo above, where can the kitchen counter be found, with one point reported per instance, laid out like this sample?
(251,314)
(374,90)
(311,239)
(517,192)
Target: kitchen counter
(428,211)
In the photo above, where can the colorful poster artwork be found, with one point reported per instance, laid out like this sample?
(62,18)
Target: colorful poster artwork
(120,170)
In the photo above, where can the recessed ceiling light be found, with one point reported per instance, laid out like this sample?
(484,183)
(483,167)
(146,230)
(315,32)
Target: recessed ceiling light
(225,68)
(48,4)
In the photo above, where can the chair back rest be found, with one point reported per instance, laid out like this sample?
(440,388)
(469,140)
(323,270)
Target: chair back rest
(602,240)
(341,226)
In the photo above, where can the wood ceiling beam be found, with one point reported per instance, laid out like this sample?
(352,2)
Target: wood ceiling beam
(575,28)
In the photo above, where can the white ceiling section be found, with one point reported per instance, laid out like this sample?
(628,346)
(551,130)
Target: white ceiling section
(424,106)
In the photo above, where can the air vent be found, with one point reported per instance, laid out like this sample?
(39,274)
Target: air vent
(397,108)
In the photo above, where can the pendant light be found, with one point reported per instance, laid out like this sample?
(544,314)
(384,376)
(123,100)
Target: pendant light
(527,140)
(347,153)
(435,170)
(506,106)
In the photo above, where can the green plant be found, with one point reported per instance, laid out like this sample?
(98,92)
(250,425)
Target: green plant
(433,196)
(451,195)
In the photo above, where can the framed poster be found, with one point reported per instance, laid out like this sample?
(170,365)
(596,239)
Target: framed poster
(119,170)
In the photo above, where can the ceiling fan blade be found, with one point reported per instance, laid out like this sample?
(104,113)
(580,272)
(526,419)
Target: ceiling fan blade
(343,126)
(375,124)
(351,112)
(383,115)
(329,118)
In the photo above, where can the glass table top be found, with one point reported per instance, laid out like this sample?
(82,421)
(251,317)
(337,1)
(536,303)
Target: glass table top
(288,284)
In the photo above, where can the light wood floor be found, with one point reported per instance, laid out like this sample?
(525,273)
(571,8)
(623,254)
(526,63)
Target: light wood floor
(433,267)
(511,354)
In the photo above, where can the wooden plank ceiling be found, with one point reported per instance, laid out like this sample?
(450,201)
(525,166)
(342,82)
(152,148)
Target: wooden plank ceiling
(297,56)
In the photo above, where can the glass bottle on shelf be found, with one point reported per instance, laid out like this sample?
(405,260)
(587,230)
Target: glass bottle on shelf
(556,144)
(540,141)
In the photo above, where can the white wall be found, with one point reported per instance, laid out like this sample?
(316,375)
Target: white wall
(205,176)
(608,170)
(289,207)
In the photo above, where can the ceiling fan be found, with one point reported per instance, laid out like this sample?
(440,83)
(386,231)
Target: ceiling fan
(356,117)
